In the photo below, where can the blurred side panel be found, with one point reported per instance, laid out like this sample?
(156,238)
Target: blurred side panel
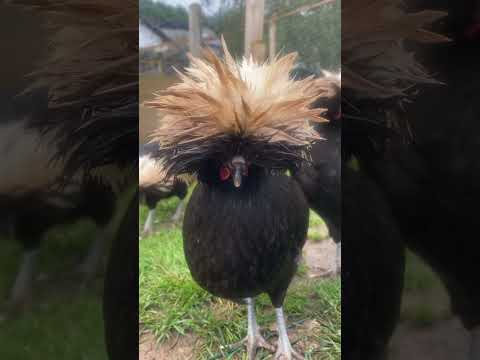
(68,175)
(410,179)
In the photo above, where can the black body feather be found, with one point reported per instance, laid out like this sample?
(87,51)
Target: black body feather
(321,179)
(242,242)
(120,300)
(31,216)
(372,268)
(428,177)
(188,158)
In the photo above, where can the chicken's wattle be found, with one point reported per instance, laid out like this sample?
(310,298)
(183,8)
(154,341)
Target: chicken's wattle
(224,173)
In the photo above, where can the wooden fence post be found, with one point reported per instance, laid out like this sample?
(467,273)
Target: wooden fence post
(194,29)
(272,38)
(254,13)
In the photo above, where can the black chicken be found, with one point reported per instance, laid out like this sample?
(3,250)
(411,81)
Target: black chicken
(321,182)
(437,169)
(372,268)
(246,222)
(154,186)
(378,74)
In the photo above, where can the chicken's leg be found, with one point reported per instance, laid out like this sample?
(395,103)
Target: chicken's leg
(475,344)
(284,349)
(178,213)
(24,279)
(254,339)
(93,260)
(148,227)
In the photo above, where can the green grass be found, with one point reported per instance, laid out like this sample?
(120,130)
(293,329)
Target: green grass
(62,321)
(318,230)
(173,305)
(422,289)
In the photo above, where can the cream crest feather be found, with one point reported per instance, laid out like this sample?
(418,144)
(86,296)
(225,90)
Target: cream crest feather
(222,108)
(375,62)
(91,73)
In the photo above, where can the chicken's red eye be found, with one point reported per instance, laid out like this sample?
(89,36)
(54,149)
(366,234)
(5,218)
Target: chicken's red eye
(224,173)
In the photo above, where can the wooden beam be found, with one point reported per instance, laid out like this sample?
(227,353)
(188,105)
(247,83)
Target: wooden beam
(300,9)
(194,29)
(259,51)
(254,14)
(272,38)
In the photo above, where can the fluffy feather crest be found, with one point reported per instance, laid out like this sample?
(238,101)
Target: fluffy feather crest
(92,77)
(225,104)
(375,63)
(89,41)
(331,82)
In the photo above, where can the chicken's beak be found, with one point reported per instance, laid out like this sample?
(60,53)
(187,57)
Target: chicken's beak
(237,177)
(238,164)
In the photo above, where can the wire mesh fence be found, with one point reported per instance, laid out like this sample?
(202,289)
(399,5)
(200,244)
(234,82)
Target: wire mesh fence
(310,28)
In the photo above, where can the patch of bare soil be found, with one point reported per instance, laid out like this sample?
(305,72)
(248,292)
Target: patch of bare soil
(444,340)
(184,347)
(176,348)
(319,256)
(301,336)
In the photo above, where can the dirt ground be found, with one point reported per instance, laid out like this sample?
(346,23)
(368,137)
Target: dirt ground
(179,348)
(320,260)
(319,257)
(445,340)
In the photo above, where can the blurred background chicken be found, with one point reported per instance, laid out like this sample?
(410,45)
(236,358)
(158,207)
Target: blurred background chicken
(155,186)
(321,181)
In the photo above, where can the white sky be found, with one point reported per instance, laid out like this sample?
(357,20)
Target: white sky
(185,3)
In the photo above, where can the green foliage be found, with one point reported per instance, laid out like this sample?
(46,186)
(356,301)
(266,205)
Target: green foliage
(63,321)
(230,22)
(70,329)
(158,12)
(317,230)
(315,36)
